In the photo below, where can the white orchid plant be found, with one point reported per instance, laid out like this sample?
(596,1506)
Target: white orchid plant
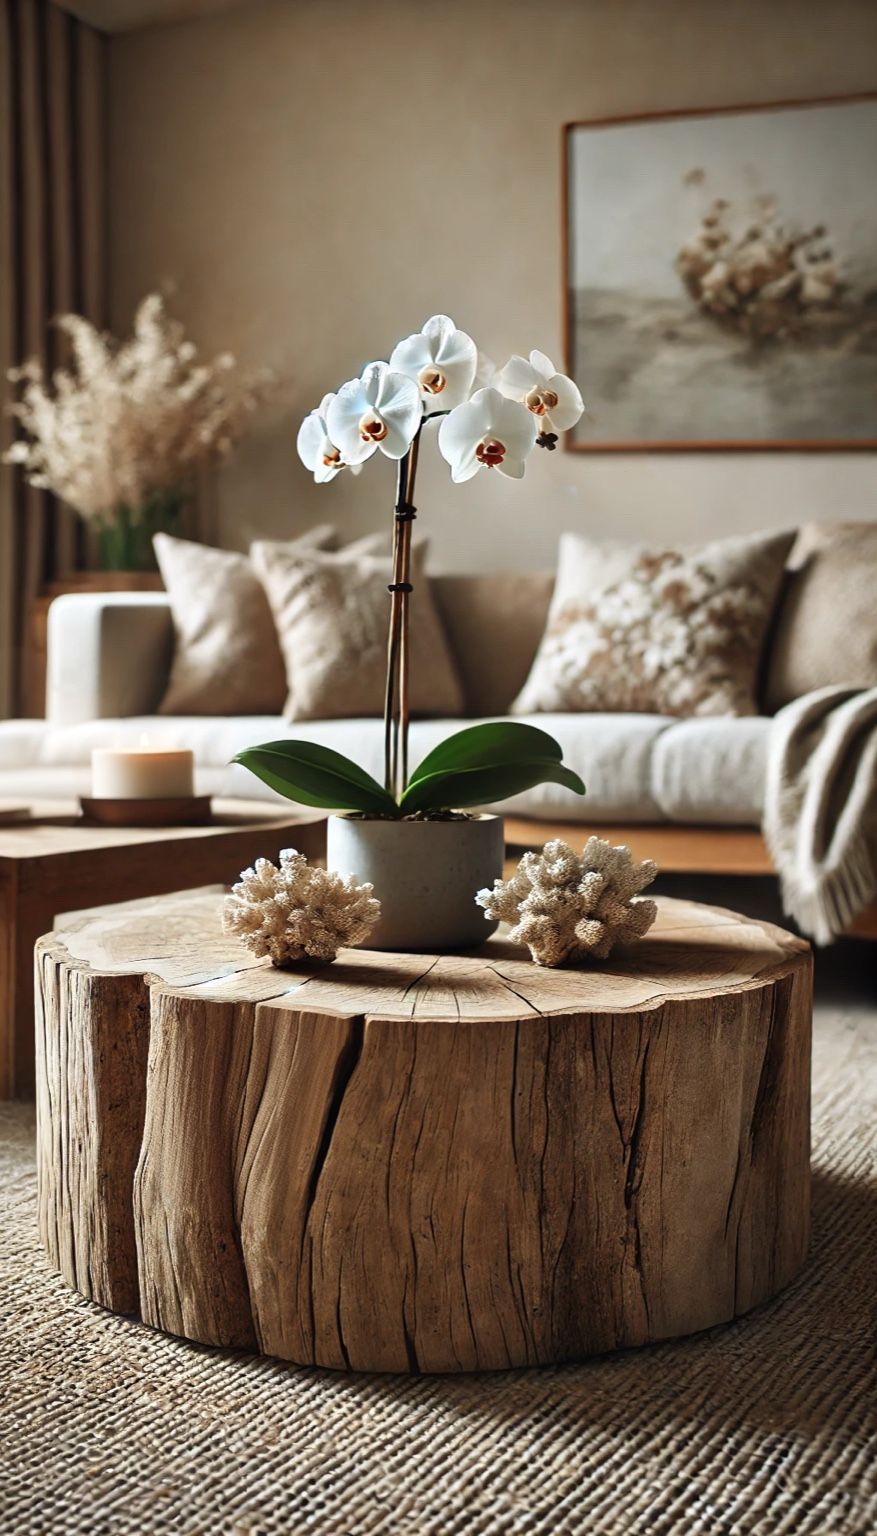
(432,377)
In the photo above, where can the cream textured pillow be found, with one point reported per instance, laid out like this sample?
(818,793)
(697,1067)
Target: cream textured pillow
(668,632)
(227,658)
(331,616)
(826,625)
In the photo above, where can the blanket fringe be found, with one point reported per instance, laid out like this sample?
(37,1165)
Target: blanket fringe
(826,910)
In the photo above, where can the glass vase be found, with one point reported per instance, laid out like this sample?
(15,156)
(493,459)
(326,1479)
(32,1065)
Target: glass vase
(125,537)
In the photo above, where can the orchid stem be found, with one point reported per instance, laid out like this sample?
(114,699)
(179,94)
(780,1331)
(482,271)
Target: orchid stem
(393,639)
(396,701)
(404,703)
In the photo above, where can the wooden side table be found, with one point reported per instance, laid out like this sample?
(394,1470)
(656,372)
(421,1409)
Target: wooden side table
(58,863)
(424,1162)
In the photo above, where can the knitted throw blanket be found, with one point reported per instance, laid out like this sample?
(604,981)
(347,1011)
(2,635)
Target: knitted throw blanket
(820,809)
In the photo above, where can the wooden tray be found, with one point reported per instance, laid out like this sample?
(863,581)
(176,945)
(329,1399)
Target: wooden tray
(185,811)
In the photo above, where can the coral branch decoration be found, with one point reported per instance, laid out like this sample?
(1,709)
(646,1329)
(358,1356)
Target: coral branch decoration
(568,907)
(298,911)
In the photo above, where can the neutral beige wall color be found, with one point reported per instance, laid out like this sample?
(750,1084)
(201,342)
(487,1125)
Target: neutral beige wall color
(318,176)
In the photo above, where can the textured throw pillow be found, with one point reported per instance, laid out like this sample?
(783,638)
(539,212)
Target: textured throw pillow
(227,657)
(826,624)
(331,616)
(668,632)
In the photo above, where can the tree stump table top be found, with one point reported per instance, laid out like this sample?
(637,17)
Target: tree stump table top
(423,1162)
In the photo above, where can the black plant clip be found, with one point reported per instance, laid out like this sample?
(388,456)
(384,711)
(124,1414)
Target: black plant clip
(547,440)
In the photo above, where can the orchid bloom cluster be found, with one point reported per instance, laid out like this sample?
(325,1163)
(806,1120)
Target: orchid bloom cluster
(431,375)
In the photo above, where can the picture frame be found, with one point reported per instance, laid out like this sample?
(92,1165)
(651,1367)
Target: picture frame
(669,360)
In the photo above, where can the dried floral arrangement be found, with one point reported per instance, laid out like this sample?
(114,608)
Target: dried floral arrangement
(431,387)
(763,278)
(119,434)
(568,907)
(298,911)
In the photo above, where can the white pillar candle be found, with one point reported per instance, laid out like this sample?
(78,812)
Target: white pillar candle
(141,773)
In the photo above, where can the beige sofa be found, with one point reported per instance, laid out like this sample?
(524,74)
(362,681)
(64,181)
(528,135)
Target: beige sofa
(109,656)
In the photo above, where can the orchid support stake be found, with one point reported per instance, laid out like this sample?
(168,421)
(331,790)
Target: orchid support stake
(407,534)
(396,701)
(394,633)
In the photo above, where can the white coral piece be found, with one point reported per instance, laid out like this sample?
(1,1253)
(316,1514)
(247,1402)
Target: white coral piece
(568,907)
(298,911)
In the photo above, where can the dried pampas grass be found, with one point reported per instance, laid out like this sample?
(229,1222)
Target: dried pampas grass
(128,420)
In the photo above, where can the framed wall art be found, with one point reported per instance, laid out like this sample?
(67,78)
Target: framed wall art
(721,277)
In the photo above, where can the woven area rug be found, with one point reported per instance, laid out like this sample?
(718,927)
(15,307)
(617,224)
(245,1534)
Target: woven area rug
(764,1428)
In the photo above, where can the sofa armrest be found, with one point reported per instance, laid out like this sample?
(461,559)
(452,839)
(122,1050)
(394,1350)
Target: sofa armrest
(109,654)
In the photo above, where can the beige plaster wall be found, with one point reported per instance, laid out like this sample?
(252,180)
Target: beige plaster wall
(315,177)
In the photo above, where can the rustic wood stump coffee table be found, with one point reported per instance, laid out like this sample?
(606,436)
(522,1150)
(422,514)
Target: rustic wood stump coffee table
(423,1163)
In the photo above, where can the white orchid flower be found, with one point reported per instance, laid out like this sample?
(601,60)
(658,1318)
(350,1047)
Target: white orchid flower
(315,447)
(441,360)
(487,432)
(552,398)
(379,410)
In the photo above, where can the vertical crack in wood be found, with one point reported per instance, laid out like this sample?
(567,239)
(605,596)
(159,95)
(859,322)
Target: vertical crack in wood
(771,1065)
(348,1059)
(631,1184)
(409,1326)
(633,1176)
(463,1275)
(514,1096)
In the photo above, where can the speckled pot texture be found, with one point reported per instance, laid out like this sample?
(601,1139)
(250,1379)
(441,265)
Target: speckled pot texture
(425,875)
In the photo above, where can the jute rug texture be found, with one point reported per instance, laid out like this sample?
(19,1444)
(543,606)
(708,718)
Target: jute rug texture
(764,1428)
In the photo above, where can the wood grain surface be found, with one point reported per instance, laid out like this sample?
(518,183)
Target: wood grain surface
(424,1163)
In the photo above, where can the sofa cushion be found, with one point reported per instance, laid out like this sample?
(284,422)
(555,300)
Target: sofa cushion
(494,624)
(678,632)
(331,614)
(826,626)
(613,754)
(227,659)
(711,770)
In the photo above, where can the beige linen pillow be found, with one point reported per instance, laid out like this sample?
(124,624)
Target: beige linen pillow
(227,658)
(331,615)
(826,625)
(668,632)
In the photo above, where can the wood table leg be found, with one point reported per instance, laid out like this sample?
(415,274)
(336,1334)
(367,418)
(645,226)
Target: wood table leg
(8,974)
(22,920)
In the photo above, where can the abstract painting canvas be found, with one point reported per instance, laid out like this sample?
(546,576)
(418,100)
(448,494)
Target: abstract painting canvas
(721,278)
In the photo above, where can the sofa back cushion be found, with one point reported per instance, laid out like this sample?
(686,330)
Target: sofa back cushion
(826,625)
(494,624)
(331,613)
(657,631)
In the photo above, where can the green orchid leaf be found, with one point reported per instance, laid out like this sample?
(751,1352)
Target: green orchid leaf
(315,775)
(485,746)
(484,785)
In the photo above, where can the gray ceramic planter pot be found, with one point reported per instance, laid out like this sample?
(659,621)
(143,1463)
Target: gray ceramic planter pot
(425,874)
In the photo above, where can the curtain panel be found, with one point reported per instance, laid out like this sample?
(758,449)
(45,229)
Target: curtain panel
(51,262)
